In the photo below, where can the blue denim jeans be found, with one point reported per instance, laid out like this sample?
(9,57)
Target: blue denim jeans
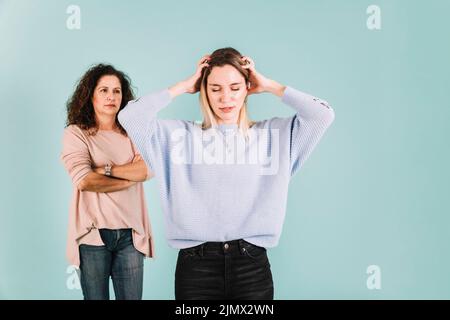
(117,259)
(236,270)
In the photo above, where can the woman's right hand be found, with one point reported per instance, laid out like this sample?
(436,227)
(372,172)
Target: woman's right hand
(191,84)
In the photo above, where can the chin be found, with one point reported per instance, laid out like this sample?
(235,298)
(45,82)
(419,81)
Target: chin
(110,112)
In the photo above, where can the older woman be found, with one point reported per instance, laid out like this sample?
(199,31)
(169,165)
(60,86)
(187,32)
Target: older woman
(109,231)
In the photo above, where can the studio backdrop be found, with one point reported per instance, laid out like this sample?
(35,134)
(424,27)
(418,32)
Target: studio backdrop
(368,215)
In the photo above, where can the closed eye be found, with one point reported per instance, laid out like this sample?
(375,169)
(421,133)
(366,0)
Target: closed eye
(232,89)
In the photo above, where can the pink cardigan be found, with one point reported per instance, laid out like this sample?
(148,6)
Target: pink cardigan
(90,211)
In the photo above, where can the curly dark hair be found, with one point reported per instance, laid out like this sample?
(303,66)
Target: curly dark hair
(80,110)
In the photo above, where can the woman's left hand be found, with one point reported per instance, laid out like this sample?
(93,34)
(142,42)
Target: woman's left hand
(258,82)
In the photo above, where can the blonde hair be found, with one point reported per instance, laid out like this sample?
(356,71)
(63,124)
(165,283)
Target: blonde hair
(219,58)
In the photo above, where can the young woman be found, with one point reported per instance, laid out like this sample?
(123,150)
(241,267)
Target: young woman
(224,182)
(109,231)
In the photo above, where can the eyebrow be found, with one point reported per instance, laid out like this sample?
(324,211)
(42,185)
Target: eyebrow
(101,87)
(218,85)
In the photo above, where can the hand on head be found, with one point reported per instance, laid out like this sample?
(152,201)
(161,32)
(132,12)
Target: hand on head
(257,82)
(193,82)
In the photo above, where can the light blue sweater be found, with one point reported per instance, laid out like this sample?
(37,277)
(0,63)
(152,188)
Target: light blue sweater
(220,184)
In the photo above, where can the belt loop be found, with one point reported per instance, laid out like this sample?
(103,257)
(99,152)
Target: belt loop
(241,246)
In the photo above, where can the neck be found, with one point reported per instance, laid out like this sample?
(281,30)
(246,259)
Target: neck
(231,121)
(106,122)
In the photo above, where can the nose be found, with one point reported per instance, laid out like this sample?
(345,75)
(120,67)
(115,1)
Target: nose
(109,97)
(226,96)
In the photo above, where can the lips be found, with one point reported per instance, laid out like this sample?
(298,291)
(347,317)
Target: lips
(227,109)
(110,105)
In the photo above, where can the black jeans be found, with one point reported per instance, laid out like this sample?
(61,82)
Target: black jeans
(223,270)
(117,259)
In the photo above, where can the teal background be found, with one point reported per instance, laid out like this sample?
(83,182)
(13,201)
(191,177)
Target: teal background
(374,191)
